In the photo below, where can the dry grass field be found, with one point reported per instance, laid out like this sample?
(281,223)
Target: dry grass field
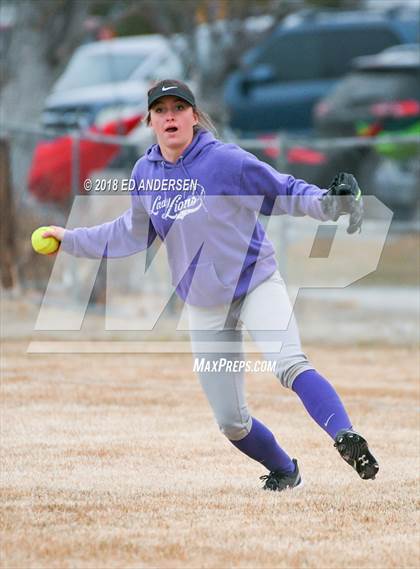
(115,461)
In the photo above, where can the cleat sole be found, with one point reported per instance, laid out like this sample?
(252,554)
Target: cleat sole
(354,450)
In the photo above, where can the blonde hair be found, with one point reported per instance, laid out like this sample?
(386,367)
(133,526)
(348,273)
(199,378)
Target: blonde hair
(204,122)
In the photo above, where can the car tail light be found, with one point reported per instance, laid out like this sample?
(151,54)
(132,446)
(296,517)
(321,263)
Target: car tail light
(408,108)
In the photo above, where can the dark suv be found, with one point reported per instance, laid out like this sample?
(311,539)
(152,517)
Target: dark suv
(300,62)
(379,98)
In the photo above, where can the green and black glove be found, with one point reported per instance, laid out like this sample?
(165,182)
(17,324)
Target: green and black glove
(344,196)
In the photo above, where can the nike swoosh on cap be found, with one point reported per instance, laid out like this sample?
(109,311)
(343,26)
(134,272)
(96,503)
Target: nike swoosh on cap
(167,88)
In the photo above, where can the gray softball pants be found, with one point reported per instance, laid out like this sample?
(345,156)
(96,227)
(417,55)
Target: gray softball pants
(266,313)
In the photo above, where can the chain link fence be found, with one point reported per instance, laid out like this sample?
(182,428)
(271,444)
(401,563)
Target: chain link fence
(45,171)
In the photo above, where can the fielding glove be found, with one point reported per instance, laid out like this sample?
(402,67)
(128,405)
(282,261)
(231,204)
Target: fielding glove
(344,196)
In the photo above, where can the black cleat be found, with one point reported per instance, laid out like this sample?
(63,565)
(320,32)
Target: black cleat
(354,449)
(277,480)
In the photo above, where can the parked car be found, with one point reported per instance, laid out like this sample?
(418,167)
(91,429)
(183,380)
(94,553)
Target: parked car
(108,80)
(282,78)
(102,91)
(380,97)
(55,175)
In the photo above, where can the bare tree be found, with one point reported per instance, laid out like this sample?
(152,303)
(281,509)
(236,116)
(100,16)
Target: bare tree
(44,35)
(214,31)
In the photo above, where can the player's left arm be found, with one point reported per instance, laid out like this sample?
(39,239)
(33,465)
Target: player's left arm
(286,194)
(344,196)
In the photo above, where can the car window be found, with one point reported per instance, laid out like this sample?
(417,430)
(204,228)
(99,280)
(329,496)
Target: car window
(321,54)
(159,65)
(340,47)
(293,57)
(86,70)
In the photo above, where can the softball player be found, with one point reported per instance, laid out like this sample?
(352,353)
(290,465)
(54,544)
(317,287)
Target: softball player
(224,268)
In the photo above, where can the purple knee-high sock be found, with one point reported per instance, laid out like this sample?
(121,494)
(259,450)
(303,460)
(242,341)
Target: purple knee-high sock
(321,401)
(261,445)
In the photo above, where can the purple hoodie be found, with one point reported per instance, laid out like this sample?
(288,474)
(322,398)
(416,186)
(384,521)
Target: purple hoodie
(205,208)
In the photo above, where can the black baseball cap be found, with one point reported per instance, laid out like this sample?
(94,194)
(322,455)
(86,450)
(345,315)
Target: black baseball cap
(170,87)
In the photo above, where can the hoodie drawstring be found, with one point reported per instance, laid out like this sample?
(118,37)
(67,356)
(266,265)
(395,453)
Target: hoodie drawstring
(167,199)
(188,175)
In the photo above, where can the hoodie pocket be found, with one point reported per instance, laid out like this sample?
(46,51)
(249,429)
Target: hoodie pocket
(203,287)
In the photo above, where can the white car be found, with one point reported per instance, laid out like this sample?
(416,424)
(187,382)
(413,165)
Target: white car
(108,79)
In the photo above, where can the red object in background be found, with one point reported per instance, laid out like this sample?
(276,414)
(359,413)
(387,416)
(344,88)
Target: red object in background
(295,155)
(371,130)
(106,33)
(300,155)
(397,109)
(50,173)
(271,151)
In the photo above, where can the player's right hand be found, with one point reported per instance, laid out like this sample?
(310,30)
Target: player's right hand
(54,231)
